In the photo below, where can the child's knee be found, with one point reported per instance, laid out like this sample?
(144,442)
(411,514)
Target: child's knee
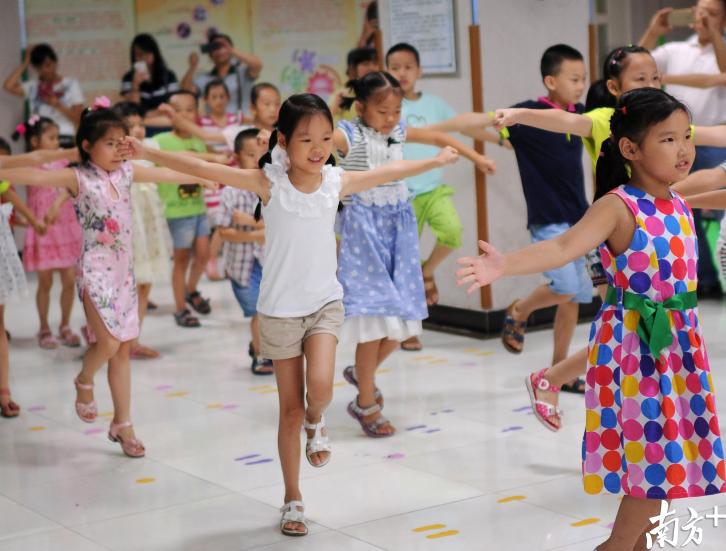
(107,346)
(448,231)
(292,415)
(320,393)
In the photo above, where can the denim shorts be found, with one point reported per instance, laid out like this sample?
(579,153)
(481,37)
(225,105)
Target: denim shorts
(247,296)
(570,279)
(185,230)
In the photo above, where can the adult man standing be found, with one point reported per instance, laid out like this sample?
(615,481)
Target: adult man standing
(237,69)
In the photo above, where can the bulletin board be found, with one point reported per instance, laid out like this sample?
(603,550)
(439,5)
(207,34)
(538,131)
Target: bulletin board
(429,25)
(91,37)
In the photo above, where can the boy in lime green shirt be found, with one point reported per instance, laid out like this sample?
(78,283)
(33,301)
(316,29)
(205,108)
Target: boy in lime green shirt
(186,214)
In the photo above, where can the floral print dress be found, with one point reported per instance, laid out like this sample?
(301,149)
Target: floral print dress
(105,270)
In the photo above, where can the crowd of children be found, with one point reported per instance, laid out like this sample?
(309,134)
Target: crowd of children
(121,212)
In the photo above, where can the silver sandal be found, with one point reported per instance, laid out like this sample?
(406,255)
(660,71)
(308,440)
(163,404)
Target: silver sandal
(369,427)
(318,443)
(293,511)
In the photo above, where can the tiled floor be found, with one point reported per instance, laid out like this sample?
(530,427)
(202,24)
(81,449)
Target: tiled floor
(470,468)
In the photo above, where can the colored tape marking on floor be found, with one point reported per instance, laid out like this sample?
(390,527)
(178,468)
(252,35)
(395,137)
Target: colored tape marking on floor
(511,498)
(585,522)
(423,358)
(36,429)
(260,387)
(145,480)
(442,534)
(340,384)
(438,361)
(106,414)
(177,394)
(35,409)
(383,371)
(214,406)
(428,527)
(96,430)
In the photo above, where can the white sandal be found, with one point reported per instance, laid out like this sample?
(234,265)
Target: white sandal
(318,443)
(293,511)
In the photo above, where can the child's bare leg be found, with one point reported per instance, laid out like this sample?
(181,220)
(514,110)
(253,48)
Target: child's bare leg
(199,262)
(386,348)
(630,524)
(119,380)
(291,390)
(98,353)
(143,291)
(179,277)
(319,375)
(255,330)
(68,294)
(367,355)
(42,297)
(4,359)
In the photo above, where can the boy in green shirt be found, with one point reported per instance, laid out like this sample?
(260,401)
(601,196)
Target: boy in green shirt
(186,214)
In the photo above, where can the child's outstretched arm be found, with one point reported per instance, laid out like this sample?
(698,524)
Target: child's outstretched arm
(594,228)
(62,178)
(708,200)
(473,125)
(233,235)
(696,80)
(701,181)
(162,174)
(554,120)
(188,126)
(39,157)
(357,181)
(439,139)
(22,209)
(710,135)
(251,180)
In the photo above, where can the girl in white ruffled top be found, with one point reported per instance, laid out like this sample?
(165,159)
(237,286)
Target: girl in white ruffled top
(300,304)
(380,265)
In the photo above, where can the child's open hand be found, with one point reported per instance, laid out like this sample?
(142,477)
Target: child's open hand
(504,118)
(167,110)
(486,165)
(447,156)
(263,138)
(481,270)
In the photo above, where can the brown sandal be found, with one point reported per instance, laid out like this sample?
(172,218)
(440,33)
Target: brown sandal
(432,292)
(11,409)
(412,344)
(513,332)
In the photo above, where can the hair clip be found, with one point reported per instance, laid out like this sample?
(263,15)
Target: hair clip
(624,110)
(21,129)
(101,102)
(33,120)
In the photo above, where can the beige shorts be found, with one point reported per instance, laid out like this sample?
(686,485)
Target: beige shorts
(283,338)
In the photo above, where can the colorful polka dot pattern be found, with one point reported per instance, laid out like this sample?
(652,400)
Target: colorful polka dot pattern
(651,427)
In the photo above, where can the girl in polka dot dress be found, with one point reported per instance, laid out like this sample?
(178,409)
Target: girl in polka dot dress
(651,430)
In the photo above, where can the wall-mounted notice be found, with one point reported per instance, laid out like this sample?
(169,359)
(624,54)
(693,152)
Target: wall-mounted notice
(429,26)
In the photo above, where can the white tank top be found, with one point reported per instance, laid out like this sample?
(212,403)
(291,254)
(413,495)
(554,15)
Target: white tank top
(299,276)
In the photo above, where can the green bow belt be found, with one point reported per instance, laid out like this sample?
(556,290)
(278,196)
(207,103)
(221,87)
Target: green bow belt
(654,327)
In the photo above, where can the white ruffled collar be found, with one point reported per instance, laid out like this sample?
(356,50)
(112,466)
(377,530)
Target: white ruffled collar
(305,205)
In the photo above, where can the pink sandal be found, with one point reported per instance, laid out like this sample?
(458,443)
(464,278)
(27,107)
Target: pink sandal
(68,338)
(86,412)
(11,409)
(543,411)
(133,448)
(46,340)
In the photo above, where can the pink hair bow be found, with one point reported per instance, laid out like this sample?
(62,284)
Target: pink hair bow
(101,102)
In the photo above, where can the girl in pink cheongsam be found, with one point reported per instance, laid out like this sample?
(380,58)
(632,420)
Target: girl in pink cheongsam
(105,277)
(651,426)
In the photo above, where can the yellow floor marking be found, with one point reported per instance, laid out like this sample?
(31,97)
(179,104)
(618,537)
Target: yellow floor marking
(145,480)
(585,522)
(484,353)
(107,414)
(422,358)
(177,394)
(260,387)
(36,429)
(511,498)
(442,534)
(271,391)
(470,350)
(383,370)
(215,406)
(439,361)
(429,527)
(341,384)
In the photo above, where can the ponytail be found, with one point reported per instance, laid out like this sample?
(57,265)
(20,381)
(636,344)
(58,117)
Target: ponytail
(598,96)
(611,171)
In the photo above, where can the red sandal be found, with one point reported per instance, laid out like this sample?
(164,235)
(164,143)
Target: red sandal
(544,412)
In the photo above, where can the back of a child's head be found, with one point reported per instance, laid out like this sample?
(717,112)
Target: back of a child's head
(41,53)
(257,89)
(374,86)
(33,130)
(554,56)
(635,114)
(95,123)
(5,147)
(615,63)
(403,47)
(244,136)
(294,110)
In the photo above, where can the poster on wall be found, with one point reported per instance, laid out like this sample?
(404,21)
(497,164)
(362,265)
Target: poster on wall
(429,26)
(182,26)
(305,43)
(91,38)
